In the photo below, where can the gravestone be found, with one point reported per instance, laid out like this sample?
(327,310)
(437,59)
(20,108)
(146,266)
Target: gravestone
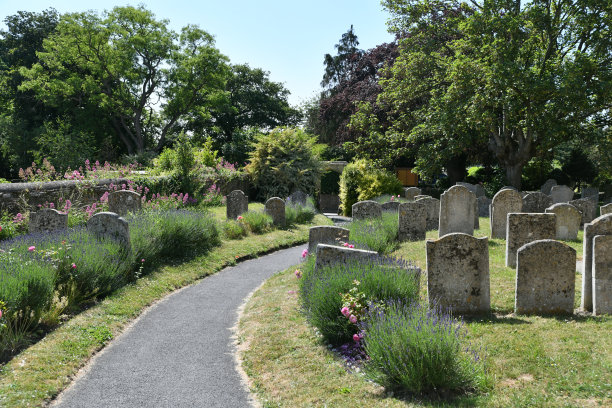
(483,206)
(599,226)
(591,193)
(567,221)
(477,189)
(331,254)
(411,192)
(524,228)
(545,278)
(476,217)
(366,209)
(123,202)
(108,225)
(432,210)
(602,274)
(237,203)
(561,194)
(587,207)
(46,220)
(390,206)
(458,273)
(326,234)
(422,196)
(412,221)
(548,185)
(298,197)
(275,208)
(457,211)
(536,202)
(504,202)
(605,209)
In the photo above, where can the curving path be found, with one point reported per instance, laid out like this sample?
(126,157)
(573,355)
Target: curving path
(179,353)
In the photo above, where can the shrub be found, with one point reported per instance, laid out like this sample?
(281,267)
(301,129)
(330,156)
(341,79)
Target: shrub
(234,229)
(385,198)
(298,213)
(416,349)
(284,161)
(321,291)
(375,234)
(257,222)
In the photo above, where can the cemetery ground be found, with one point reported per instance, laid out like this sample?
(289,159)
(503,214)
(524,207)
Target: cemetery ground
(552,361)
(38,373)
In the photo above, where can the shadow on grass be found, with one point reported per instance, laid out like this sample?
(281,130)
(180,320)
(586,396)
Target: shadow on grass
(496,319)
(437,398)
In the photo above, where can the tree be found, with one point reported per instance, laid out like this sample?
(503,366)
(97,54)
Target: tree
(338,67)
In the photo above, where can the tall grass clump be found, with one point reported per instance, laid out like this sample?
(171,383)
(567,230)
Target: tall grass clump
(233,229)
(257,222)
(376,234)
(415,349)
(385,198)
(297,213)
(380,280)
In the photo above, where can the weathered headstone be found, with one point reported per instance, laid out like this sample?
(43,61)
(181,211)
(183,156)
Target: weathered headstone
(298,197)
(326,234)
(536,202)
(412,221)
(591,193)
(548,185)
(108,225)
(483,206)
(237,203)
(366,209)
(432,209)
(545,278)
(46,220)
(524,228)
(123,202)
(331,254)
(599,226)
(477,189)
(561,194)
(275,208)
(587,207)
(476,217)
(567,222)
(504,202)
(411,192)
(458,273)
(605,209)
(602,274)
(390,206)
(422,196)
(457,211)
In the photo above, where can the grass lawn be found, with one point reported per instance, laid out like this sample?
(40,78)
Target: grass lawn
(533,361)
(40,372)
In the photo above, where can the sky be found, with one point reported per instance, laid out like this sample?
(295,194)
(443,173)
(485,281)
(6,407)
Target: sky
(287,38)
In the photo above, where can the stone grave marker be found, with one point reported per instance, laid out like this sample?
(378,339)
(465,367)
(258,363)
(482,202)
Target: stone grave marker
(605,209)
(432,209)
(298,197)
(275,208)
(331,254)
(412,221)
(458,273)
(422,196)
(123,202)
(236,203)
(504,202)
(590,193)
(390,206)
(326,234)
(545,278)
(477,189)
(536,202)
(457,211)
(602,274)
(524,228)
(548,185)
(601,225)
(483,206)
(561,194)
(411,192)
(108,225)
(587,207)
(567,222)
(366,209)
(46,220)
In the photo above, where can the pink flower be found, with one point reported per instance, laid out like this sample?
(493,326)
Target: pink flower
(304,253)
(0,313)
(32,248)
(142,260)
(353,319)
(298,273)
(73,266)
(239,217)
(345,244)
(345,311)
(356,338)
(351,246)
(0,228)
(392,198)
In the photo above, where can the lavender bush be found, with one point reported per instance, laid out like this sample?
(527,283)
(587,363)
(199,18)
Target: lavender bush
(378,235)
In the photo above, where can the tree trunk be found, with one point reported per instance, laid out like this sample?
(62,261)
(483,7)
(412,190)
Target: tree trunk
(513,174)
(455,168)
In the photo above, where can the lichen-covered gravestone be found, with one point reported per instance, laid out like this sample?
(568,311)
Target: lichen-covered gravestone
(457,211)
(331,254)
(326,234)
(411,192)
(236,203)
(432,209)
(275,208)
(561,194)
(587,207)
(123,202)
(599,226)
(591,193)
(422,196)
(605,209)
(108,225)
(412,221)
(504,202)
(548,185)
(567,222)
(545,278)
(46,220)
(536,202)
(390,206)
(602,274)
(298,197)
(483,206)
(366,209)
(524,228)
(476,218)
(458,273)
(477,189)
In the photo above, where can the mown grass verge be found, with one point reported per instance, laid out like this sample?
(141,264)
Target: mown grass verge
(533,360)
(40,372)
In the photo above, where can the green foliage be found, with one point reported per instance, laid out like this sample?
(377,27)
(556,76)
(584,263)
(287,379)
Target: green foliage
(579,167)
(283,161)
(378,235)
(296,213)
(234,229)
(166,159)
(205,155)
(330,182)
(257,222)
(535,173)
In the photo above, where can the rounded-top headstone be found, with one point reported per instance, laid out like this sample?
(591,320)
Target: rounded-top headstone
(587,207)
(477,189)
(46,220)
(326,234)
(605,209)
(567,220)
(457,206)
(108,225)
(548,185)
(506,201)
(536,202)
(561,194)
(527,227)
(390,206)
(432,208)
(123,202)
(366,209)
(411,192)
(275,208)
(236,203)
(601,225)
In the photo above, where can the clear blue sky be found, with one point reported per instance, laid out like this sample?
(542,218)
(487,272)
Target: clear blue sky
(287,38)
